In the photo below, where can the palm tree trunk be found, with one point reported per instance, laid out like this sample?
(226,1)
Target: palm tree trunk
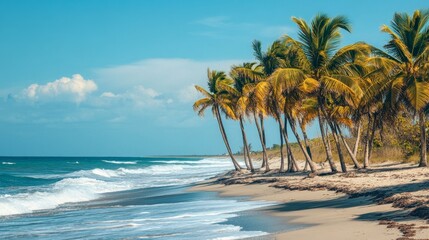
(282,160)
(371,142)
(264,149)
(352,156)
(252,169)
(292,165)
(247,159)
(261,118)
(423,153)
(262,130)
(306,140)
(337,141)
(298,139)
(225,139)
(338,145)
(326,144)
(246,163)
(367,141)
(306,143)
(356,146)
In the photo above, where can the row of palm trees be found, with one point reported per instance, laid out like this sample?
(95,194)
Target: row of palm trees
(298,81)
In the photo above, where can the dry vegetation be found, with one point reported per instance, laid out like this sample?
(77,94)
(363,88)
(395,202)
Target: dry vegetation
(387,153)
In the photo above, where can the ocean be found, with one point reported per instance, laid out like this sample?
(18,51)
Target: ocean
(122,198)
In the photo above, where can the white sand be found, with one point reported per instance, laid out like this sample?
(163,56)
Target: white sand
(334,215)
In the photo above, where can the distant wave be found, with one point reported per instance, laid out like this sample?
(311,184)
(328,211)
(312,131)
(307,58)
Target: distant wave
(11,180)
(77,162)
(122,172)
(120,162)
(8,163)
(210,161)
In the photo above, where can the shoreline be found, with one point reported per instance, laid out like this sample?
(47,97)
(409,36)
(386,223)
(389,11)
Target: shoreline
(338,206)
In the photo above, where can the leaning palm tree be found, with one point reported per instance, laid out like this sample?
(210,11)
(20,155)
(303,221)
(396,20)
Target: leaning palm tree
(270,61)
(370,106)
(288,84)
(253,107)
(321,61)
(306,113)
(218,100)
(249,100)
(274,102)
(407,59)
(244,74)
(341,117)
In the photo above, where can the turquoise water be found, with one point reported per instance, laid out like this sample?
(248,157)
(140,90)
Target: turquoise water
(119,198)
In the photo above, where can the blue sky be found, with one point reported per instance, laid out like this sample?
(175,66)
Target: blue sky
(114,78)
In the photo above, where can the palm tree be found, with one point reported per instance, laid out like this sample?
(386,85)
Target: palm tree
(249,102)
(244,74)
(274,102)
(356,88)
(340,116)
(370,106)
(321,61)
(306,113)
(269,60)
(217,99)
(407,59)
(288,84)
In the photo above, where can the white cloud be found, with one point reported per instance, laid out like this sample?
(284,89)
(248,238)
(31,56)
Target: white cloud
(217,21)
(152,88)
(73,89)
(137,96)
(108,95)
(174,78)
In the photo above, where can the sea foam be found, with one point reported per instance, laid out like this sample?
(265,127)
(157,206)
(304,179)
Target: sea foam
(68,190)
(86,185)
(120,162)
(8,163)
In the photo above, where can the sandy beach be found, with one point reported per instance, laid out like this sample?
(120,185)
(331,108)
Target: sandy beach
(386,202)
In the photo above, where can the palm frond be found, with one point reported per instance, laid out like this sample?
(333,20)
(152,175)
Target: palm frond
(341,85)
(201,105)
(418,94)
(226,87)
(309,85)
(227,108)
(203,91)
(348,54)
(287,79)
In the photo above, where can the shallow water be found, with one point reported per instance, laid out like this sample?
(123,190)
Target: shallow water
(122,198)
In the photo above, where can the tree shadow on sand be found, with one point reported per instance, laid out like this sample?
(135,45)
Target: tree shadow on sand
(380,195)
